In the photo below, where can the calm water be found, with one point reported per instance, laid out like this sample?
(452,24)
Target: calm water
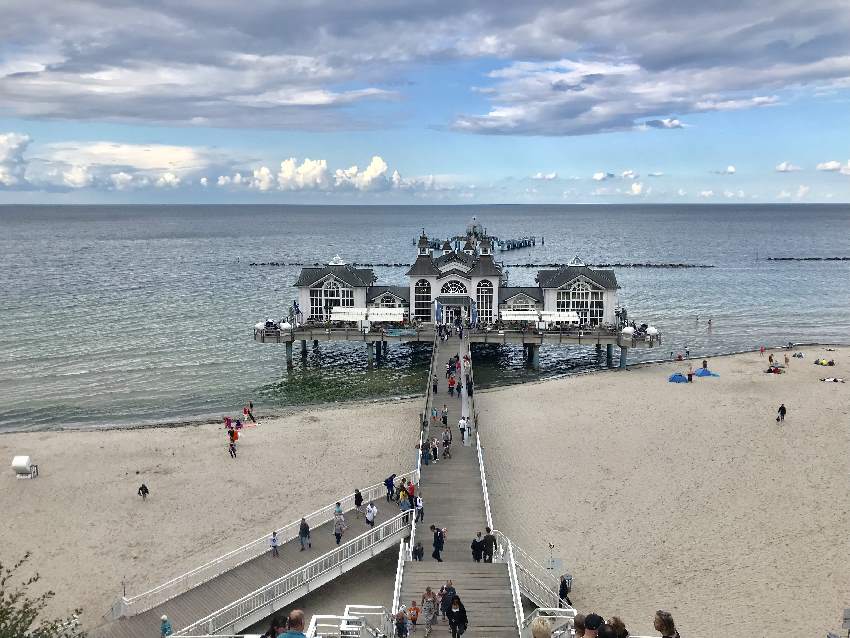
(127,315)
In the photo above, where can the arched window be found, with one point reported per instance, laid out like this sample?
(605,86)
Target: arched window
(329,296)
(582,300)
(422,300)
(484,300)
(453,288)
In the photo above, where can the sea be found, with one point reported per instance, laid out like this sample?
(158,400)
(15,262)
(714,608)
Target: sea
(121,316)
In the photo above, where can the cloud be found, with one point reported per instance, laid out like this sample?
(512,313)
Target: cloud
(706,194)
(729,170)
(636,189)
(13,166)
(802,191)
(682,192)
(546,177)
(121,181)
(667,122)
(601,176)
(310,174)
(655,174)
(168,180)
(629,174)
(835,166)
(204,182)
(76,177)
(786,167)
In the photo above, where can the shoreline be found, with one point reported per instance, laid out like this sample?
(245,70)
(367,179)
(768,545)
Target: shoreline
(287,411)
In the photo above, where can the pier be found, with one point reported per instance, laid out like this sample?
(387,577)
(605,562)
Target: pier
(531,339)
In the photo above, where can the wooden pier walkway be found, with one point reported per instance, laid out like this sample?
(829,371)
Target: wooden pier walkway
(453,498)
(222,590)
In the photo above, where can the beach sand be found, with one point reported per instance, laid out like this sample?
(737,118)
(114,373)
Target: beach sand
(684,497)
(87,529)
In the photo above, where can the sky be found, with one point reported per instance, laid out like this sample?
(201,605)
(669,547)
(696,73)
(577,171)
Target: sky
(461,101)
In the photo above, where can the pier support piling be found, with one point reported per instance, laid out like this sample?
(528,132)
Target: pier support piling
(534,356)
(598,349)
(609,355)
(370,351)
(289,355)
(303,348)
(623,356)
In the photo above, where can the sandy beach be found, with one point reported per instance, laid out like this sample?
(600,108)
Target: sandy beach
(658,495)
(685,497)
(87,528)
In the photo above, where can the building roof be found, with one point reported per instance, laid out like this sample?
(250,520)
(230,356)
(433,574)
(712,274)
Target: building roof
(447,246)
(565,274)
(454,272)
(423,265)
(485,266)
(374,292)
(442,260)
(423,241)
(354,277)
(506,292)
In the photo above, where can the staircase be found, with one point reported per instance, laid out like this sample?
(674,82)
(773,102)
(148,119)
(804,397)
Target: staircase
(484,588)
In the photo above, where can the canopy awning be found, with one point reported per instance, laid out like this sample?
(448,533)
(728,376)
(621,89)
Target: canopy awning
(560,317)
(348,314)
(519,315)
(386,314)
(455,300)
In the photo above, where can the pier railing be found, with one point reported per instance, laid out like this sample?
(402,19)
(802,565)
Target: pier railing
(132,605)
(238,613)
(538,584)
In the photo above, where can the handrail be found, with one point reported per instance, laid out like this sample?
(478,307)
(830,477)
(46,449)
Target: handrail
(545,582)
(142,602)
(262,597)
(399,575)
(516,595)
(484,482)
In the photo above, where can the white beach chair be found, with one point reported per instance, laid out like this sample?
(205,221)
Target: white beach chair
(24,467)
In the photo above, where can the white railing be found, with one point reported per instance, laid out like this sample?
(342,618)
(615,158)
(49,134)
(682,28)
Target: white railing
(353,623)
(230,615)
(538,584)
(131,605)
(399,574)
(489,516)
(516,595)
(561,621)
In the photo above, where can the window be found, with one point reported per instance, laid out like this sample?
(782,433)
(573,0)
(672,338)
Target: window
(329,296)
(484,299)
(587,303)
(453,288)
(388,301)
(522,303)
(422,300)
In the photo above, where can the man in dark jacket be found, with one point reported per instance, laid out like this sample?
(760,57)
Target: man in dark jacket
(564,593)
(458,621)
(489,545)
(477,548)
(439,542)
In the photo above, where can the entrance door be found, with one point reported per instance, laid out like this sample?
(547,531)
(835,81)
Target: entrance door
(450,313)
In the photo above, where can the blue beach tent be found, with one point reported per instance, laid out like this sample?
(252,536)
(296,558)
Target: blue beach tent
(704,372)
(678,377)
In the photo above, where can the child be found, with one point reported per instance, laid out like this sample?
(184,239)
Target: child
(401,625)
(413,615)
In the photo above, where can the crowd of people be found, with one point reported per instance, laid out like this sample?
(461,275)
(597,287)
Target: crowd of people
(234,427)
(594,626)
(290,626)
(444,605)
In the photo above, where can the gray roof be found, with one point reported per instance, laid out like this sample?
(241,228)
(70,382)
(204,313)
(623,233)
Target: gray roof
(485,266)
(454,272)
(402,292)
(442,260)
(506,292)
(354,277)
(423,241)
(565,274)
(423,265)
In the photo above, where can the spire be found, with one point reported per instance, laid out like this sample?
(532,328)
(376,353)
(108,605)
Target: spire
(424,245)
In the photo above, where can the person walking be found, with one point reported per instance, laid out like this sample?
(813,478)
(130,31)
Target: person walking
(445,415)
(371,512)
(448,595)
(231,448)
(304,534)
(458,622)
(564,593)
(247,414)
(143,492)
(273,543)
(489,545)
(411,493)
(404,507)
(434,384)
(429,609)
(477,547)
(358,503)
(389,483)
(165,627)
(418,551)
(438,544)
(339,527)
(420,509)
(451,386)
(782,411)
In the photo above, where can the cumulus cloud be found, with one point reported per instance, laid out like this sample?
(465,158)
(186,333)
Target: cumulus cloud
(121,181)
(168,180)
(706,194)
(629,174)
(666,122)
(373,177)
(76,177)
(602,176)
(835,166)
(802,191)
(310,174)
(204,182)
(786,167)
(13,166)
(636,189)
(655,174)
(682,192)
(729,170)
(546,177)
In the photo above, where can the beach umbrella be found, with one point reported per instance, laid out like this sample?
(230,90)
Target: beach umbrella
(704,372)
(678,377)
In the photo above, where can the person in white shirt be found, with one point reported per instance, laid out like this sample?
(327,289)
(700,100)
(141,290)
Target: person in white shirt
(273,543)
(371,512)
(420,509)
